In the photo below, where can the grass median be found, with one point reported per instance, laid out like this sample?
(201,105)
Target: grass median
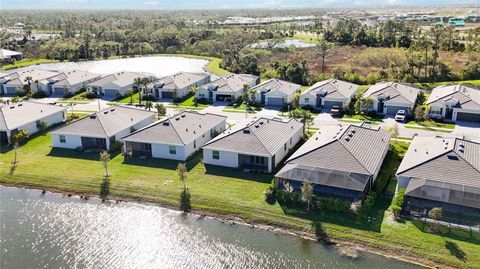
(231,193)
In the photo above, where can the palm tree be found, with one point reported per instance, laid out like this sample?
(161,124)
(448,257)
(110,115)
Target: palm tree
(161,110)
(105,187)
(28,87)
(130,93)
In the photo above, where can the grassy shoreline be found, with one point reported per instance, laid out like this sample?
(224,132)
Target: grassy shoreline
(230,194)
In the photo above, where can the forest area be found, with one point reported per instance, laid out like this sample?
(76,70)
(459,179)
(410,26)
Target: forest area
(349,50)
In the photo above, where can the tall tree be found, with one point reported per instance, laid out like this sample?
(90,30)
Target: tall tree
(307,193)
(323,49)
(182,174)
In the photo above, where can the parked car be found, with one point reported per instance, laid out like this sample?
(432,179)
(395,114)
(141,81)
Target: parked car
(336,111)
(401,116)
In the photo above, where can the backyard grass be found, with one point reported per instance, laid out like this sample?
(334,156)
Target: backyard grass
(432,123)
(436,84)
(230,192)
(362,88)
(306,38)
(26,62)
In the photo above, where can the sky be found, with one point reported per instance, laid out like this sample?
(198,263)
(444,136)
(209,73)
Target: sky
(216,4)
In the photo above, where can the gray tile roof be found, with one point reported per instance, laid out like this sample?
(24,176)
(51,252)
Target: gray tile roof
(106,123)
(4,53)
(73,77)
(395,92)
(333,88)
(181,129)
(36,74)
(456,95)
(231,83)
(15,115)
(261,136)
(179,80)
(274,84)
(120,79)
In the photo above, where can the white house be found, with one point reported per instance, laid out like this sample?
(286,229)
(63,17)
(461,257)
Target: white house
(328,93)
(177,85)
(176,138)
(29,116)
(70,82)
(275,92)
(258,145)
(226,88)
(114,85)
(13,83)
(10,55)
(101,129)
(389,97)
(455,103)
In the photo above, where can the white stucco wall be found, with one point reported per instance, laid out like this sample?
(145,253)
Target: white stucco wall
(227,158)
(163,151)
(71,141)
(52,119)
(281,153)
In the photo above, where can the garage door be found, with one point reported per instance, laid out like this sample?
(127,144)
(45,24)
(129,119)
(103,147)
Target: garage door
(392,110)
(59,91)
(463,116)
(3,137)
(329,104)
(275,101)
(167,95)
(11,90)
(110,92)
(222,97)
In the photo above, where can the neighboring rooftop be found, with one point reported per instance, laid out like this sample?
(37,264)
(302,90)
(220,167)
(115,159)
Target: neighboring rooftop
(106,123)
(4,53)
(15,115)
(73,77)
(277,85)
(261,136)
(121,79)
(393,92)
(437,164)
(231,82)
(179,80)
(180,129)
(455,96)
(35,73)
(333,88)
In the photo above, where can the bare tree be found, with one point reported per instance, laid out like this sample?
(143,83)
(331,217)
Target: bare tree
(307,193)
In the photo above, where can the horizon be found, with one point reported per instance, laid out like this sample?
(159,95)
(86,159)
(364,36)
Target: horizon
(232,5)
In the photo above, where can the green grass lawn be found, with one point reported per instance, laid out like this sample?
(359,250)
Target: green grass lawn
(305,38)
(188,101)
(427,129)
(362,88)
(26,62)
(432,123)
(364,117)
(127,99)
(436,84)
(232,192)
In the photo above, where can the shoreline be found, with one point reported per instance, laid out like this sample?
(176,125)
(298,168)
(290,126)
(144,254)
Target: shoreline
(344,247)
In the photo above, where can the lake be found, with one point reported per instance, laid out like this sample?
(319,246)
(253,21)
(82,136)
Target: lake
(159,66)
(284,44)
(52,231)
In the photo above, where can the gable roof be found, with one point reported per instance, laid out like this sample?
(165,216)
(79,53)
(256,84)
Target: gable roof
(105,123)
(73,77)
(15,115)
(261,136)
(274,84)
(121,79)
(180,80)
(456,95)
(4,53)
(333,88)
(182,128)
(231,82)
(394,92)
(19,77)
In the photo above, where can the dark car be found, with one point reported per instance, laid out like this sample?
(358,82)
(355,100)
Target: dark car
(336,111)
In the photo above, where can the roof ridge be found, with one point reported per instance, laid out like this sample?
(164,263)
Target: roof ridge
(454,150)
(426,161)
(355,157)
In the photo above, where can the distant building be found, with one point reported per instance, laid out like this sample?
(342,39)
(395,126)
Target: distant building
(114,85)
(7,56)
(455,103)
(226,88)
(459,22)
(176,85)
(70,82)
(390,97)
(14,83)
(275,92)
(328,93)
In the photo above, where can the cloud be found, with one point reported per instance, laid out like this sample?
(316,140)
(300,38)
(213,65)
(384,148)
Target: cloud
(151,3)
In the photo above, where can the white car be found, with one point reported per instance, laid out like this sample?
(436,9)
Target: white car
(401,116)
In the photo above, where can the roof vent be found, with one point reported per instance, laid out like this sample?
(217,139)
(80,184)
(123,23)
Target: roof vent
(113,109)
(261,123)
(462,146)
(186,129)
(350,134)
(93,116)
(131,119)
(452,157)
(177,118)
(183,115)
(256,126)
(347,138)
(20,104)
(105,112)
(166,123)
(246,131)
(12,107)
(354,130)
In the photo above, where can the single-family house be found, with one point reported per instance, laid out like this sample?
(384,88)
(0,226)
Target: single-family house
(176,137)
(340,161)
(258,145)
(390,97)
(226,88)
(102,128)
(455,103)
(441,172)
(10,55)
(177,85)
(323,95)
(70,82)
(275,92)
(114,85)
(30,116)
(14,83)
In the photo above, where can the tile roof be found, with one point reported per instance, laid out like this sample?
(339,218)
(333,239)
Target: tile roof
(181,129)
(73,77)
(179,80)
(36,74)
(395,92)
(231,83)
(120,79)
(261,136)
(456,95)
(4,53)
(106,123)
(274,84)
(333,88)
(15,115)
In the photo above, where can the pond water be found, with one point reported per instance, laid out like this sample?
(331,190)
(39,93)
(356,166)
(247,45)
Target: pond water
(284,44)
(55,231)
(156,65)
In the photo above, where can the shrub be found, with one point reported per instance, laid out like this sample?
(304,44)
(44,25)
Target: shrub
(72,117)
(270,195)
(148,97)
(91,95)
(39,94)
(116,146)
(397,203)
(333,204)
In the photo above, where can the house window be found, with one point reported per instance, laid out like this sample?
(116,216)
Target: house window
(307,100)
(216,155)
(38,123)
(62,139)
(172,150)
(436,110)
(194,144)
(290,141)
(285,146)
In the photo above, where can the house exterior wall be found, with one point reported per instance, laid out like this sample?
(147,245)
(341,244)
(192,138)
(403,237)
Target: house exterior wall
(53,119)
(227,158)
(437,116)
(379,165)
(71,141)
(162,151)
(11,85)
(281,153)
(312,100)
(385,105)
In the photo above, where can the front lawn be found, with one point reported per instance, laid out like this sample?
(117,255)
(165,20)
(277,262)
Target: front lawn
(128,99)
(188,101)
(231,192)
(427,129)
(433,123)
(364,117)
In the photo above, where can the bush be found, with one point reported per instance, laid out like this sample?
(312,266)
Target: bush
(397,203)
(39,94)
(116,146)
(68,95)
(91,95)
(148,97)
(333,204)
(270,195)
